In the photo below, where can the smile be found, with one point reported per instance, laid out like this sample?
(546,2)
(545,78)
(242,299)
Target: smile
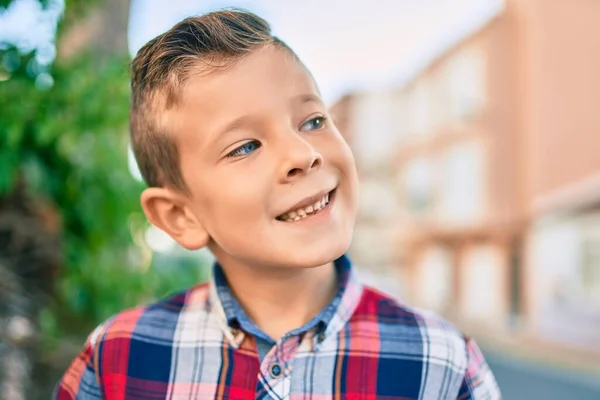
(309,210)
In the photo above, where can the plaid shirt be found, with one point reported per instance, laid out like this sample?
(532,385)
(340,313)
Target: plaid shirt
(371,347)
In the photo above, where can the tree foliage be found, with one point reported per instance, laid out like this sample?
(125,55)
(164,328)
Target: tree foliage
(63,138)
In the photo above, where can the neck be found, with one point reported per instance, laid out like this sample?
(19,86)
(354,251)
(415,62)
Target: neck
(279,299)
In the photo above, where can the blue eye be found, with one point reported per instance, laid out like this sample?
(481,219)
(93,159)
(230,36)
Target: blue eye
(245,149)
(313,124)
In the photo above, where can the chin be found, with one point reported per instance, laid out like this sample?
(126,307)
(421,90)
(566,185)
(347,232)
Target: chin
(318,255)
(306,252)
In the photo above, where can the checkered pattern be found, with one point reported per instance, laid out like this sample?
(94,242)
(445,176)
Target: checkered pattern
(183,348)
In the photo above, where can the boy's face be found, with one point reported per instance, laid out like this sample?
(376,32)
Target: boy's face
(257,148)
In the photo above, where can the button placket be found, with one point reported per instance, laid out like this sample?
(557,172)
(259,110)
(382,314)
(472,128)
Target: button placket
(274,376)
(272,366)
(275,364)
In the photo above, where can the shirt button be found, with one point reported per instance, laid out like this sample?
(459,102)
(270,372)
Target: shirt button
(321,337)
(275,370)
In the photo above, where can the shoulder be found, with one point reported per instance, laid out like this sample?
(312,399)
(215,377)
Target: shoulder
(138,343)
(153,324)
(406,329)
(442,358)
(391,310)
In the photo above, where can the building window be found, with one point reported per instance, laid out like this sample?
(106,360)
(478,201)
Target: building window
(373,120)
(483,282)
(435,275)
(417,180)
(466,84)
(563,281)
(401,115)
(462,186)
(419,110)
(590,266)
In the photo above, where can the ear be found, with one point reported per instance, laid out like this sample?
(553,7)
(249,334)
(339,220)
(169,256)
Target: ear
(168,211)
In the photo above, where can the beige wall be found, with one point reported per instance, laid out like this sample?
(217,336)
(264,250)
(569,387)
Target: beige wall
(559,53)
(492,127)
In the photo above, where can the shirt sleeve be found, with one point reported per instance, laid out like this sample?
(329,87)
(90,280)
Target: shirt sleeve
(80,381)
(478,383)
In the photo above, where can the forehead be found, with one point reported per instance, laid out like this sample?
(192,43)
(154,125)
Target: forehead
(262,81)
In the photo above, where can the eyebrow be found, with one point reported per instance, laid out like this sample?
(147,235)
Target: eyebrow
(246,119)
(235,124)
(307,98)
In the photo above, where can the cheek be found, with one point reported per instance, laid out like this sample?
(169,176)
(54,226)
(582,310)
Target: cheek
(341,156)
(236,199)
(234,212)
(344,161)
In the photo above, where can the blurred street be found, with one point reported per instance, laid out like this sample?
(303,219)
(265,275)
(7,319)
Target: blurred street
(523,380)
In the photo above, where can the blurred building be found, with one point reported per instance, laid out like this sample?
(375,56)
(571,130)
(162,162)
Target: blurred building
(559,49)
(480,175)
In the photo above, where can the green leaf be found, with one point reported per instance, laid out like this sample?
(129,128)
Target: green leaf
(8,170)
(13,135)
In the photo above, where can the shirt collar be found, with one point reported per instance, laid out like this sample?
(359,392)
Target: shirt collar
(329,320)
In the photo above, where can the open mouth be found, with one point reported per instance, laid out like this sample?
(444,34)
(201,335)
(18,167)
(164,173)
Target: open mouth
(307,211)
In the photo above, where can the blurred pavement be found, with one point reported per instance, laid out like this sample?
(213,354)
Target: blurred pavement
(522,380)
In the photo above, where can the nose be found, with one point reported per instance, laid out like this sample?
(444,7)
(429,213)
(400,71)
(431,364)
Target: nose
(300,158)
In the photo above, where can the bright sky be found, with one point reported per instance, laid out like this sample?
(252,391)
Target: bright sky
(346,44)
(26,25)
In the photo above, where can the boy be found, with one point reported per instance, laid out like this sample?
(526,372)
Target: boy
(241,156)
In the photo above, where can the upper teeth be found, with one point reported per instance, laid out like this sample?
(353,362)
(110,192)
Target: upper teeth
(305,211)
